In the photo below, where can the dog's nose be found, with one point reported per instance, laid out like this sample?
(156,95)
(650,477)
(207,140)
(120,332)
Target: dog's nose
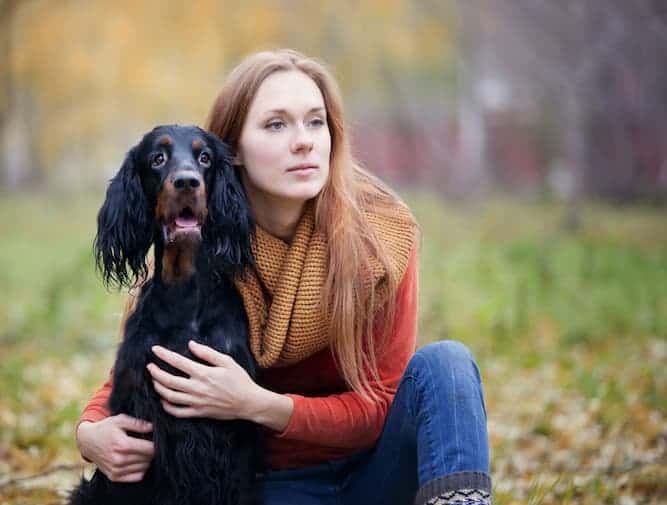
(186,180)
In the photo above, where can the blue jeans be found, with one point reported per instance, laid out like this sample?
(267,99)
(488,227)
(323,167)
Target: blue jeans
(434,440)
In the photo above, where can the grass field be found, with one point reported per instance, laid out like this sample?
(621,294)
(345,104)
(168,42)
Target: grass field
(569,330)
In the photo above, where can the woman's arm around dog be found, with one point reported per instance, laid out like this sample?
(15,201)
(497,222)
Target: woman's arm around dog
(222,390)
(121,457)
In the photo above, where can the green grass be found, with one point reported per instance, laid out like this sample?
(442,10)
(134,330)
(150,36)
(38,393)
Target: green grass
(50,291)
(504,271)
(563,325)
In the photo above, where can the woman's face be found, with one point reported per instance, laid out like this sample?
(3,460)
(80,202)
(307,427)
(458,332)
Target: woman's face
(285,141)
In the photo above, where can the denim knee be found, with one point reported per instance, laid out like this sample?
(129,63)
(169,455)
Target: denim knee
(447,403)
(444,354)
(446,360)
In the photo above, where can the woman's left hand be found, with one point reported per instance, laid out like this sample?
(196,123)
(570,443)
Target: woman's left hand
(223,390)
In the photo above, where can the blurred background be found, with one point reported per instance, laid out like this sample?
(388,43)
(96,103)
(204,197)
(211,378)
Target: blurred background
(528,136)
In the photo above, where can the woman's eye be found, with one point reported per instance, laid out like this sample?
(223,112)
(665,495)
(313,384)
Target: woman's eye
(317,122)
(157,160)
(275,125)
(204,159)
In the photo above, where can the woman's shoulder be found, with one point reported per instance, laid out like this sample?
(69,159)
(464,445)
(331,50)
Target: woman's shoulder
(377,197)
(391,221)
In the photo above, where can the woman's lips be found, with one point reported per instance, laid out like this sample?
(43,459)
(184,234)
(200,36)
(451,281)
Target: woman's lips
(303,168)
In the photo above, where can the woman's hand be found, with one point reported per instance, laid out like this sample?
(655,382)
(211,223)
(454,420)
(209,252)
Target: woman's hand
(120,457)
(222,391)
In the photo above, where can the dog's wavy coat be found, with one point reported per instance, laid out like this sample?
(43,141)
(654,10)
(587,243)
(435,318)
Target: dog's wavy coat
(178,192)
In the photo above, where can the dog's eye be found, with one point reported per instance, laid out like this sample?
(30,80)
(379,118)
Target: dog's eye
(157,161)
(204,159)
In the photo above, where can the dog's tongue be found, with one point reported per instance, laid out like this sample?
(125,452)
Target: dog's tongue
(186,222)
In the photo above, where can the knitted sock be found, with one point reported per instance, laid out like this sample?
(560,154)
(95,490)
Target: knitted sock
(462,497)
(463,488)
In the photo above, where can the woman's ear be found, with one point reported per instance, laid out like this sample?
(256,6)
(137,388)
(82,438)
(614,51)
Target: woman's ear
(124,228)
(229,228)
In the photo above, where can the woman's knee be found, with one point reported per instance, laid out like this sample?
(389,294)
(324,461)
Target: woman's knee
(446,350)
(446,359)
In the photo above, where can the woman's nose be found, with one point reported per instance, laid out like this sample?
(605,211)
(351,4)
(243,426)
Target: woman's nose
(302,141)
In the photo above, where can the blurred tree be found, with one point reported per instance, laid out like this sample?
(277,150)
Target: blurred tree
(597,67)
(11,149)
(470,176)
(573,91)
(91,75)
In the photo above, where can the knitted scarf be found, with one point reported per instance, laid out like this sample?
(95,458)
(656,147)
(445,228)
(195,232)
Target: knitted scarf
(282,294)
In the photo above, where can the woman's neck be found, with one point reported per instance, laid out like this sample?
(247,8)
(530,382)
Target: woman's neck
(279,217)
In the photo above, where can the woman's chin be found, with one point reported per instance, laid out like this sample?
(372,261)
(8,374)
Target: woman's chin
(280,194)
(302,193)
(305,190)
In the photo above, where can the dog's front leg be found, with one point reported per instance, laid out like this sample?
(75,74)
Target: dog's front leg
(133,394)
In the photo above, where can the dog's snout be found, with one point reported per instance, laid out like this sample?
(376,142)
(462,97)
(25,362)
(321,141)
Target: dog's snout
(186,180)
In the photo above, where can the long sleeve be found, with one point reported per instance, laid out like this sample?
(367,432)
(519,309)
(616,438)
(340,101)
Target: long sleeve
(97,407)
(346,420)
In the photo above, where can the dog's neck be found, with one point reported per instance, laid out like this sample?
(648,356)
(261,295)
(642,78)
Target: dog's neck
(176,264)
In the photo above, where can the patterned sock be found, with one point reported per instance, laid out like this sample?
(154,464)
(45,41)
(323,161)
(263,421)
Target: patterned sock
(462,497)
(462,488)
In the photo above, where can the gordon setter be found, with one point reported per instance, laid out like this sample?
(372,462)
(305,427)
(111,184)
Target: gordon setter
(178,191)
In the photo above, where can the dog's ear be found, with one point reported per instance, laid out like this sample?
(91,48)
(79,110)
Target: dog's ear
(229,228)
(124,228)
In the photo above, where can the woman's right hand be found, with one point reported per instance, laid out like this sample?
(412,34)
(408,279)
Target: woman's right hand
(120,457)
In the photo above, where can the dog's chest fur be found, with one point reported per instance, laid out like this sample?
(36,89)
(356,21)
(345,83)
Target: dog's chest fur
(207,312)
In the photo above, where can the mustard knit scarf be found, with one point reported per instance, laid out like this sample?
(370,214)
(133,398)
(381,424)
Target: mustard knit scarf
(282,294)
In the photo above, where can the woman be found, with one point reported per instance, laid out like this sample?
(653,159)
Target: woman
(352,413)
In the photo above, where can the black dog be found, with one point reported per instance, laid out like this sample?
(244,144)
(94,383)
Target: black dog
(178,191)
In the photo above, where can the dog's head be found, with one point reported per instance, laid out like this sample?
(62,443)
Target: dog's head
(177,188)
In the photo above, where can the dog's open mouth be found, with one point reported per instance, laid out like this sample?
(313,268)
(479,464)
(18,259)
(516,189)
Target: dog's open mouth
(185,226)
(186,219)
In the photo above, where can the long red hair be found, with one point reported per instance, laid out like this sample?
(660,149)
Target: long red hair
(338,212)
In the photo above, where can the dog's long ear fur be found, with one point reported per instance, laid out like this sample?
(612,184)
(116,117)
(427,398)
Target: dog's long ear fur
(124,228)
(229,228)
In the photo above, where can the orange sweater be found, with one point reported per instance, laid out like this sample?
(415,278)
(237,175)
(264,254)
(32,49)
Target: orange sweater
(328,421)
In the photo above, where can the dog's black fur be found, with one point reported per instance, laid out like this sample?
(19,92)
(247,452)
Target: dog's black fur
(178,191)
